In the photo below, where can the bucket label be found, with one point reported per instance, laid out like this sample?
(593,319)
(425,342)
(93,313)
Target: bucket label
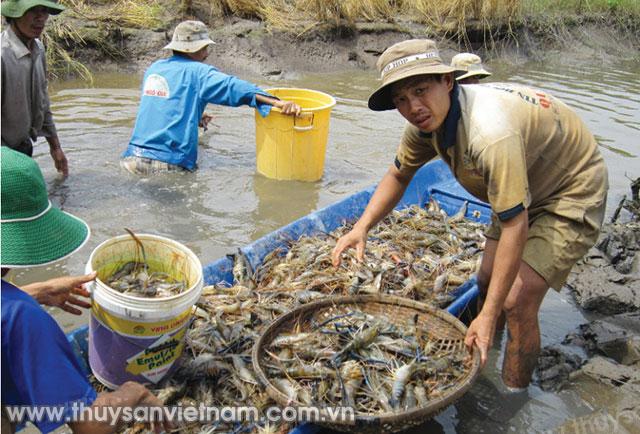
(154,361)
(130,328)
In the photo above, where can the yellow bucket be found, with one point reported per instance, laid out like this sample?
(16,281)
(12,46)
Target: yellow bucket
(293,148)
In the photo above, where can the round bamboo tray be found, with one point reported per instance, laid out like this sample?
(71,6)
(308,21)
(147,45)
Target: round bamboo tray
(441,326)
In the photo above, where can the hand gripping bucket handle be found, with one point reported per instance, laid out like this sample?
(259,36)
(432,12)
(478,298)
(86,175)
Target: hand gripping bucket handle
(305,127)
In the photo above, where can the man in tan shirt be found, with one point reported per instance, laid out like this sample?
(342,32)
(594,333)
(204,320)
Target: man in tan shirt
(521,150)
(26,112)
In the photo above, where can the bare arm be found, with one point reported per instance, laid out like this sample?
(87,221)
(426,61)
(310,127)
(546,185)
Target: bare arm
(62,292)
(505,269)
(59,159)
(287,107)
(384,199)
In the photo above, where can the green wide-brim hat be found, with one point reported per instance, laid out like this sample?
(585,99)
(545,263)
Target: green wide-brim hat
(32,231)
(17,8)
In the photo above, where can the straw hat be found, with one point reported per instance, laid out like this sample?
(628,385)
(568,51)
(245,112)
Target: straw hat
(189,37)
(469,63)
(17,8)
(402,60)
(32,231)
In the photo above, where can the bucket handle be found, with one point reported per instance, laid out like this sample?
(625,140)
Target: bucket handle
(305,128)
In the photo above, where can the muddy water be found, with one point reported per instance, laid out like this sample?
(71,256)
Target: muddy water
(225,204)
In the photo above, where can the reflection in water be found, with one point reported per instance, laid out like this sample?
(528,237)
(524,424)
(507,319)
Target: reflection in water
(225,204)
(281,202)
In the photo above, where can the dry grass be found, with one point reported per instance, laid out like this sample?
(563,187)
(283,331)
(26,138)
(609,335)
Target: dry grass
(145,14)
(449,18)
(59,62)
(112,15)
(441,14)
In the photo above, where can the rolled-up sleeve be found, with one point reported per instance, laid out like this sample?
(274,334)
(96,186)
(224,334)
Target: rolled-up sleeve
(414,151)
(220,88)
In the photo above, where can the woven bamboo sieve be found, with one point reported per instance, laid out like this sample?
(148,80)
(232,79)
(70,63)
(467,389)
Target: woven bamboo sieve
(441,327)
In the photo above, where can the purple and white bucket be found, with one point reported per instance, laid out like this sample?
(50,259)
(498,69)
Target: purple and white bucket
(137,338)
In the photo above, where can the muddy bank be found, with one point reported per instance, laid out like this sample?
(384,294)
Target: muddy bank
(601,362)
(252,49)
(604,354)
(607,280)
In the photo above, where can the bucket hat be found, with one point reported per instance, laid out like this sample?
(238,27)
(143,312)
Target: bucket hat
(470,64)
(189,37)
(402,60)
(17,8)
(32,231)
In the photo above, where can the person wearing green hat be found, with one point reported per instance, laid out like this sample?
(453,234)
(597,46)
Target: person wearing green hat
(521,150)
(38,364)
(26,112)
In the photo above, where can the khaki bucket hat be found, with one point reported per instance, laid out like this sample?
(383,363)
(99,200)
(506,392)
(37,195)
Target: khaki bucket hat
(189,37)
(402,60)
(470,64)
(17,8)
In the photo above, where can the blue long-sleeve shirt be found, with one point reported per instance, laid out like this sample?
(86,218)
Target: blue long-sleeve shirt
(175,92)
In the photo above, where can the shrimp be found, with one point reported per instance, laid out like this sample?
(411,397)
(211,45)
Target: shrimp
(401,377)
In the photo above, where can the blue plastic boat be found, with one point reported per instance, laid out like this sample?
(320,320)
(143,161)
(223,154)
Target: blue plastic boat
(433,180)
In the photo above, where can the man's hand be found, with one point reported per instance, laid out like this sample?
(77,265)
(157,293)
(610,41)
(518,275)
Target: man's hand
(62,292)
(59,159)
(480,332)
(354,238)
(289,108)
(204,122)
(130,395)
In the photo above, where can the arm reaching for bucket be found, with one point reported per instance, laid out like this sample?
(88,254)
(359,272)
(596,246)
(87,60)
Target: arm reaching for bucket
(287,107)
(384,199)
(62,292)
(130,396)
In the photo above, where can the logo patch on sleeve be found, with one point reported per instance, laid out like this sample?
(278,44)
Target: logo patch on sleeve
(156,85)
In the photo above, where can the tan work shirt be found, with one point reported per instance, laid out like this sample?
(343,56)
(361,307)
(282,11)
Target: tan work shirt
(25,99)
(515,148)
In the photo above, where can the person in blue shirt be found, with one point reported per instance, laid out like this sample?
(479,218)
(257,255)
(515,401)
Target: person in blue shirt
(38,365)
(175,92)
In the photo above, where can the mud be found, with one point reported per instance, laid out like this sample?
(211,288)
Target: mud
(616,385)
(598,286)
(555,365)
(251,49)
(605,350)
(607,280)
(604,354)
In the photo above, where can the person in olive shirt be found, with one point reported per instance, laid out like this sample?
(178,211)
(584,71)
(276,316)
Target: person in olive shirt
(521,150)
